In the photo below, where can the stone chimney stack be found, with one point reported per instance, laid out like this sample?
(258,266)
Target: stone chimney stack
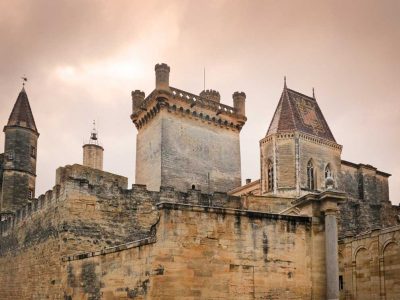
(211,95)
(137,99)
(162,76)
(239,99)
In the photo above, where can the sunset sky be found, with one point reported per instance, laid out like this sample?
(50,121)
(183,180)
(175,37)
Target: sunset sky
(83,58)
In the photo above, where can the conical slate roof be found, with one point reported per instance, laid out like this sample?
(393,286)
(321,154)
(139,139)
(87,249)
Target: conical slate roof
(298,112)
(21,114)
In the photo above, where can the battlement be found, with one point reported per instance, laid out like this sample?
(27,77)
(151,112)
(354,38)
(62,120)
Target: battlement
(77,181)
(197,107)
(206,106)
(9,221)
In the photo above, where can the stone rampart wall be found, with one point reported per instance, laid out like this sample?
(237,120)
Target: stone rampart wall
(204,253)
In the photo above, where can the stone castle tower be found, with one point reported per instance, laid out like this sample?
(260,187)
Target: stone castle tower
(299,151)
(93,152)
(187,141)
(19,158)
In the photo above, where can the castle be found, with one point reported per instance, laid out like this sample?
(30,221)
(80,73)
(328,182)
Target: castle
(313,226)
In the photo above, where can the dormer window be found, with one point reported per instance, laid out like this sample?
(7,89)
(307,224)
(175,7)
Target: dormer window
(310,175)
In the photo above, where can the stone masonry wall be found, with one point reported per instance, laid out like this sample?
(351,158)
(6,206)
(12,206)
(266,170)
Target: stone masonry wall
(321,155)
(91,238)
(30,248)
(369,265)
(205,253)
(285,163)
(148,155)
(368,205)
(197,153)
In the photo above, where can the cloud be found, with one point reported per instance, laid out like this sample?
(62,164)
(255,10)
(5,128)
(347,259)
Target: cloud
(83,58)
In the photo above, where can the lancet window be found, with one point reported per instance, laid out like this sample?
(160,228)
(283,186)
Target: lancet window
(310,175)
(328,172)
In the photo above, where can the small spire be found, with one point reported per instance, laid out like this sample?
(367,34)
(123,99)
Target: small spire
(313,93)
(284,82)
(93,134)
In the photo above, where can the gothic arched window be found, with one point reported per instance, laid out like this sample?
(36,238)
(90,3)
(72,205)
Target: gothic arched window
(270,176)
(328,171)
(310,175)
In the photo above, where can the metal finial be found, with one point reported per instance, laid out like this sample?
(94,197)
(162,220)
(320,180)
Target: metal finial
(313,93)
(93,134)
(24,79)
(284,81)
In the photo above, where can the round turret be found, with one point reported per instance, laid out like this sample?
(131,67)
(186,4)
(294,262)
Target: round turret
(137,99)
(211,95)
(239,99)
(162,76)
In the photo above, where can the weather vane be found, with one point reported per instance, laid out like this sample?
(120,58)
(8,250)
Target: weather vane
(24,79)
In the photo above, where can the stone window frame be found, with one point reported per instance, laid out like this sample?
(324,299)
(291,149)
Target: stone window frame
(328,171)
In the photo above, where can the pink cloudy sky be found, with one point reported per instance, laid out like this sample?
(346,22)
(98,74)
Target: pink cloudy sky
(83,58)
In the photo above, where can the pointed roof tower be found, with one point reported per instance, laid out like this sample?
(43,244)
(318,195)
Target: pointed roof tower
(298,112)
(21,114)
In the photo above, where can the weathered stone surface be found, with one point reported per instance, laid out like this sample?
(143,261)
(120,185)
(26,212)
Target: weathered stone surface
(370,265)
(206,254)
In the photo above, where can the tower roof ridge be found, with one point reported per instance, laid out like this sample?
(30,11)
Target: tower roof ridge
(21,114)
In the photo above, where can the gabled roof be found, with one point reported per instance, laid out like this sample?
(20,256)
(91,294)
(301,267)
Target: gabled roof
(21,114)
(298,112)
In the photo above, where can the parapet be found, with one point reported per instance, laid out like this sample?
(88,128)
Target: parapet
(206,107)
(92,176)
(11,220)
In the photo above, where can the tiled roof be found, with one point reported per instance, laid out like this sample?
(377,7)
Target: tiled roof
(298,112)
(21,114)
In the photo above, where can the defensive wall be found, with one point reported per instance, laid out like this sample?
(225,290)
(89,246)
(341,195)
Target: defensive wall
(92,238)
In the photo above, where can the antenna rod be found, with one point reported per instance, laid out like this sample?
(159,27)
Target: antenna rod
(204,79)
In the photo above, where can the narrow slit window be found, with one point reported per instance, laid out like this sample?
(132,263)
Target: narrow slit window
(310,175)
(33,151)
(270,176)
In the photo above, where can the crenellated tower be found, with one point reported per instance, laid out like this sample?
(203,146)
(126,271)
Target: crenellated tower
(187,141)
(299,152)
(20,155)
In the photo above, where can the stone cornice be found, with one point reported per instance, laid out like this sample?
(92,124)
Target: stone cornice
(21,127)
(303,136)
